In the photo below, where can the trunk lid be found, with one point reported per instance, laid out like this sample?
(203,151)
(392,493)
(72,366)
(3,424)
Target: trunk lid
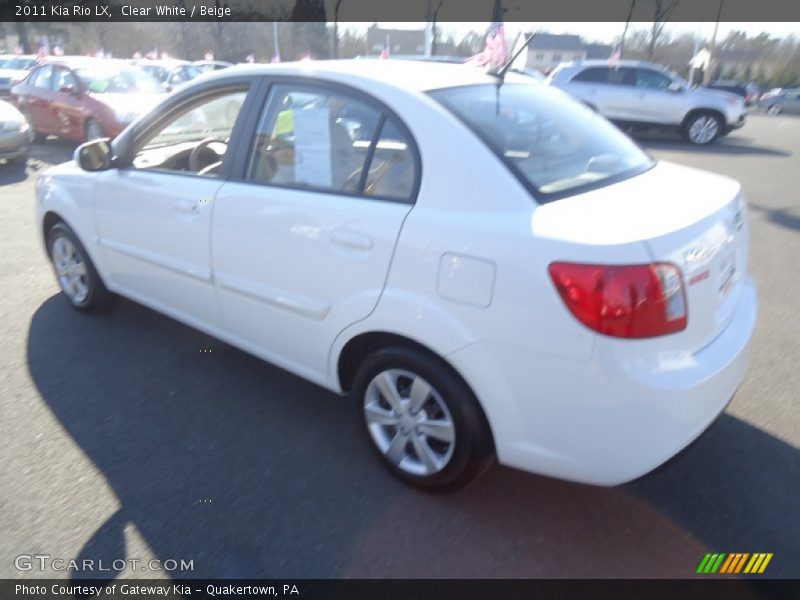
(691,218)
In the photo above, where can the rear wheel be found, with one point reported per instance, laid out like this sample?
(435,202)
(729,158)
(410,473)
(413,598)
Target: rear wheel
(422,420)
(75,272)
(35,135)
(703,128)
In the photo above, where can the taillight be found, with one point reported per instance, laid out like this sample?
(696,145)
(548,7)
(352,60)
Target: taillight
(626,301)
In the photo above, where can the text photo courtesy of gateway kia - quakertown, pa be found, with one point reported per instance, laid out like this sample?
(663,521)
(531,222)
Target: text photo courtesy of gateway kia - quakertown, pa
(341,297)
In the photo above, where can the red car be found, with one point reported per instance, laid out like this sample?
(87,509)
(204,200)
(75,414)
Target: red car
(81,98)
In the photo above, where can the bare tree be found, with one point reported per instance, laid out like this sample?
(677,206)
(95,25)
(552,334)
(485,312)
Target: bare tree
(661,13)
(335,52)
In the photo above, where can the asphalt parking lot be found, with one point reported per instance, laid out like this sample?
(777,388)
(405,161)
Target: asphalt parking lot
(120,437)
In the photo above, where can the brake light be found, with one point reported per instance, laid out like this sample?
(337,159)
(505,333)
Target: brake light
(625,301)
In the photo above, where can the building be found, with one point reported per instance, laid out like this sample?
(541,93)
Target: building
(401,41)
(546,50)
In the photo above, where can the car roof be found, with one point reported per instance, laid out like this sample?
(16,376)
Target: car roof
(594,62)
(407,74)
(76,62)
(163,62)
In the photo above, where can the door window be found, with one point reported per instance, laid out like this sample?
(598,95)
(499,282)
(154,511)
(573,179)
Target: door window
(623,76)
(313,139)
(592,75)
(652,80)
(392,171)
(195,141)
(41,77)
(63,78)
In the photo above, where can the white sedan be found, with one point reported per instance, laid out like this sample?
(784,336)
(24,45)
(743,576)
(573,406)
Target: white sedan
(489,268)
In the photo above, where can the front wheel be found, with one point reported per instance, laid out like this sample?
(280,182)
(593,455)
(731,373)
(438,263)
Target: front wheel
(703,128)
(75,272)
(422,420)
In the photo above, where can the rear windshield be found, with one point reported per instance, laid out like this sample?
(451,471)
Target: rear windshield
(556,146)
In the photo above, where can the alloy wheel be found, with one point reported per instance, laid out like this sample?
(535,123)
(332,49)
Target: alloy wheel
(409,422)
(71,270)
(703,129)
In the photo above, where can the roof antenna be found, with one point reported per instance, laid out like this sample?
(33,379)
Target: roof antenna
(501,72)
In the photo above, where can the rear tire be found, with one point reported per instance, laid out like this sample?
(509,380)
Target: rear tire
(703,128)
(422,420)
(75,272)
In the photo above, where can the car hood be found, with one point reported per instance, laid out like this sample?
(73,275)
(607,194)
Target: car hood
(9,114)
(715,95)
(136,104)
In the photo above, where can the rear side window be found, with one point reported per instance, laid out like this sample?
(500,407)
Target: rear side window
(319,139)
(592,75)
(554,146)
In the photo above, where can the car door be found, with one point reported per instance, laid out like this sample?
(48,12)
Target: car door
(153,214)
(37,98)
(66,105)
(617,98)
(302,241)
(659,103)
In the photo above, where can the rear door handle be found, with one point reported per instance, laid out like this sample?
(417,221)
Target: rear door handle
(351,239)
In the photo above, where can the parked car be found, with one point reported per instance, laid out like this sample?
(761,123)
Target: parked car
(749,91)
(15,134)
(211,65)
(785,101)
(572,306)
(14,70)
(80,98)
(170,72)
(640,94)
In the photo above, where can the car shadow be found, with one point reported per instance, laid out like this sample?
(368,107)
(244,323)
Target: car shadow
(779,216)
(13,172)
(43,154)
(249,471)
(730,146)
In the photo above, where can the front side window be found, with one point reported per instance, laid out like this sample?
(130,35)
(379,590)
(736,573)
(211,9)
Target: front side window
(652,80)
(195,140)
(64,79)
(41,78)
(592,75)
(311,138)
(555,147)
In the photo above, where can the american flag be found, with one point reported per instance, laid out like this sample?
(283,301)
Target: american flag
(495,54)
(58,51)
(615,57)
(386,48)
(41,54)
(250,58)
(209,56)
(152,55)
(137,55)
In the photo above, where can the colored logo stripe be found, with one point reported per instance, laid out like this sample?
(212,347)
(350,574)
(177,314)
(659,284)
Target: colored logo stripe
(734,562)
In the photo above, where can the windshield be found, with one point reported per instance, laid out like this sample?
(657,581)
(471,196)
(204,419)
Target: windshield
(555,145)
(117,81)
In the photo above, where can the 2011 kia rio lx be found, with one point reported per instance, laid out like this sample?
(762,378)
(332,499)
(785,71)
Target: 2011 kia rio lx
(488,267)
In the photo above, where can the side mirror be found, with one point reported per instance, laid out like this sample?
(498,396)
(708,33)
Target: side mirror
(94,155)
(675,88)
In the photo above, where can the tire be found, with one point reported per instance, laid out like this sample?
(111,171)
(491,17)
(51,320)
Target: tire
(94,130)
(774,110)
(703,128)
(441,443)
(75,272)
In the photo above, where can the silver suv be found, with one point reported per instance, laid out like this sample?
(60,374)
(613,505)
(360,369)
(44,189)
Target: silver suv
(636,94)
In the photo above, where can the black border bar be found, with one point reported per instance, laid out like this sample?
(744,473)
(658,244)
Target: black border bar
(395,10)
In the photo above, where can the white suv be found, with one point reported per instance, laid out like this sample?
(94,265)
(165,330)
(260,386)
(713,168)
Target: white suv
(634,93)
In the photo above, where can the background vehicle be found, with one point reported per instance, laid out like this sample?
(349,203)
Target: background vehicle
(80,98)
(14,70)
(749,91)
(15,134)
(586,315)
(170,72)
(783,101)
(211,65)
(640,94)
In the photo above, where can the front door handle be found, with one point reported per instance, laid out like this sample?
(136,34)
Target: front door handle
(187,208)
(351,239)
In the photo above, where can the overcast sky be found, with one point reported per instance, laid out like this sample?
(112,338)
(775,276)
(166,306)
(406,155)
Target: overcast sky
(605,32)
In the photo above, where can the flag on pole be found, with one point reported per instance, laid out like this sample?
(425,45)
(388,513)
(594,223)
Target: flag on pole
(495,54)
(250,58)
(153,54)
(208,56)
(41,53)
(58,51)
(137,56)
(615,57)
(386,48)
(17,49)
(164,56)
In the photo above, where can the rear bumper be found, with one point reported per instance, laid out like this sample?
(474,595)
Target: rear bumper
(609,420)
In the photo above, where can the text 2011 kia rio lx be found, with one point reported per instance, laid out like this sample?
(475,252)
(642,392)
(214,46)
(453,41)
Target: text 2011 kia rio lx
(486,266)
